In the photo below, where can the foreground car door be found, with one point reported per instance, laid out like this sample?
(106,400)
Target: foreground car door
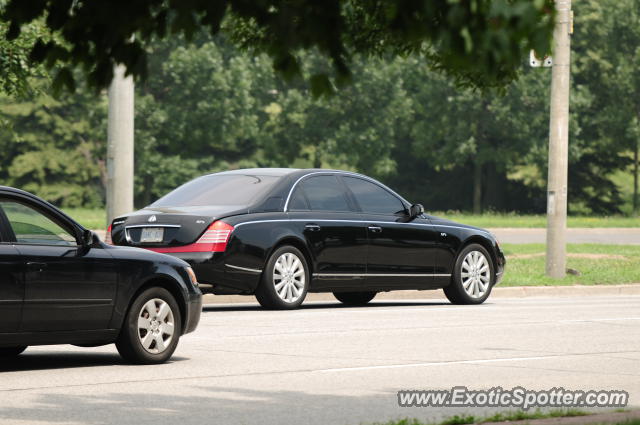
(11,287)
(400,255)
(67,286)
(332,232)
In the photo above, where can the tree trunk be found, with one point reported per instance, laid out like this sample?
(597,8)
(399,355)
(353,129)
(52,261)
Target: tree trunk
(477,186)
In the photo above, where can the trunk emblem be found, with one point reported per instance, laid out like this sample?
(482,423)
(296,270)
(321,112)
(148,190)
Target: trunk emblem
(199,221)
(152,219)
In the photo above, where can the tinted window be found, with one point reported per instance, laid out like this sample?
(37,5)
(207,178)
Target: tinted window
(372,198)
(325,193)
(32,227)
(298,201)
(216,189)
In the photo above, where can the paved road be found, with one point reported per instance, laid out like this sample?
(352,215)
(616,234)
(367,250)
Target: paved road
(622,236)
(326,364)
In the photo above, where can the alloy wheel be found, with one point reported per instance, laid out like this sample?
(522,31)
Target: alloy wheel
(289,277)
(156,326)
(475,274)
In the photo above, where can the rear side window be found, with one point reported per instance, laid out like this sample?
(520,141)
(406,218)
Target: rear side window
(325,193)
(218,189)
(372,198)
(30,226)
(298,201)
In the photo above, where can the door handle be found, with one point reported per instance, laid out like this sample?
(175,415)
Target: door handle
(375,229)
(312,227)
(36,267)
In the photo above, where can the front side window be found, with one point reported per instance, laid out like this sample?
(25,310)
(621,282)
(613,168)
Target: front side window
(30,226)
(325,193)
(372,198)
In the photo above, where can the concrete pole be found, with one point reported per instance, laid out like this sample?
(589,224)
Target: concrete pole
(559,142)
(120,145)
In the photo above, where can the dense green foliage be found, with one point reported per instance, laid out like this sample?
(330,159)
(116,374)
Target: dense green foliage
(207,106)
(479,42)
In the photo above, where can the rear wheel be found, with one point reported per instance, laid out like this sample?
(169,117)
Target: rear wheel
(8,352)
(151,330)
(354,298)
(473,276)
(285,280)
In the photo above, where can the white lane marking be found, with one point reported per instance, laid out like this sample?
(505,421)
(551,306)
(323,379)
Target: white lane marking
(455,362)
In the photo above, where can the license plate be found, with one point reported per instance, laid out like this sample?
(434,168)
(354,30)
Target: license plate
(152,234)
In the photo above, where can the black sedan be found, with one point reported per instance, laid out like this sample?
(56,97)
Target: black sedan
(60,285)
(280,233)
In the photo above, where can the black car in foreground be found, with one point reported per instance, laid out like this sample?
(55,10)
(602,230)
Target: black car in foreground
(280,233)
(60,285)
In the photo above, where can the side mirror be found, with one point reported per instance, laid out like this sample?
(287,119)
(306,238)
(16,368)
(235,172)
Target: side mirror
(88,238)
(416,210)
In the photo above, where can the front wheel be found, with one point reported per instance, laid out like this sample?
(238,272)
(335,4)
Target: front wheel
(285,280)
(9,352)
(473,276)
(354,298)
(151,329)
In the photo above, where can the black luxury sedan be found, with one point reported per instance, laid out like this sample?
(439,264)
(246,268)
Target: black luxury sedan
(280,233)
(60,285)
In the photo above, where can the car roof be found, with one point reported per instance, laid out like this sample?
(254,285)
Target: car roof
(276,172)
(14,190)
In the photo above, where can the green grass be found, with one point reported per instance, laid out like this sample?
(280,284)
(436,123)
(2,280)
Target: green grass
(598,264)
(518,415)
(93,219)
(516,220)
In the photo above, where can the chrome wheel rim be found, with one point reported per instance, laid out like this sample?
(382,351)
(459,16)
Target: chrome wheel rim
(475,274)
(156,326)
(289,277)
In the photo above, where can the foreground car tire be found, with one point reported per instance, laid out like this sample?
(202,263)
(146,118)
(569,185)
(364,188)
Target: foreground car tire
(354,298)
(285,280)
(151,329)
(8,352)
(473,276)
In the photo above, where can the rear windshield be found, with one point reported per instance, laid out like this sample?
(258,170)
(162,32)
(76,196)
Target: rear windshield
(216,189)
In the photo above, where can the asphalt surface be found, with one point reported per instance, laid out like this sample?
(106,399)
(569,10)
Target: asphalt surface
(621,236)
(326,364)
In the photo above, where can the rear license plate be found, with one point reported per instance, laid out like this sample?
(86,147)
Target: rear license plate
(151,234)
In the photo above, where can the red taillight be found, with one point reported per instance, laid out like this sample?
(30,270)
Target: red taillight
(214,239)
(216,236)
(107,236)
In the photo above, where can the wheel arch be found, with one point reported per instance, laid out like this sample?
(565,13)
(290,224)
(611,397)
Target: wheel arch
(297,243)
(482,241)
(170,284)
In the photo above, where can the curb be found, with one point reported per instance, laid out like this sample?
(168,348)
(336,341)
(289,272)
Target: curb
(498,292)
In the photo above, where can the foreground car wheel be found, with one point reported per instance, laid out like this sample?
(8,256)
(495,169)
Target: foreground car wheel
(354,298)
(151,330)
(473,276)
(285,280)
(8,352)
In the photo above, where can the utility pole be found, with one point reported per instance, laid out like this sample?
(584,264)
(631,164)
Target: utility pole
(120,145)
(559,141)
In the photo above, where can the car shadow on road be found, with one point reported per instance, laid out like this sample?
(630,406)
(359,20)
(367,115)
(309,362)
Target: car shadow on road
(325,305)
(203,405)
(50,360)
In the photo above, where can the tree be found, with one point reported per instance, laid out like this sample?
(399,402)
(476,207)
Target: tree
(479,42)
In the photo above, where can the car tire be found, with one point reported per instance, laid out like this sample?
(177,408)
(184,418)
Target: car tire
(473,276)
(285,280)
(354,298)
(151,329)
(9,352)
